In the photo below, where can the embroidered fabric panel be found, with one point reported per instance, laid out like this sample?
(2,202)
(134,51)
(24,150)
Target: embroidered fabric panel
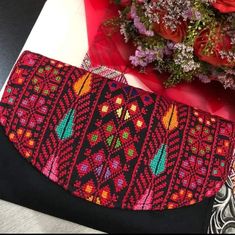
(102,70)
(110,143)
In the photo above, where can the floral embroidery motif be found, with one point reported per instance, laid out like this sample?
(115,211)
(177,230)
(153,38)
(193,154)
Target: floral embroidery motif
(32,111)
(200,140)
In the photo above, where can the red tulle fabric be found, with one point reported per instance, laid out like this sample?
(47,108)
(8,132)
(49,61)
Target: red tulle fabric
(225,6)
(111,50)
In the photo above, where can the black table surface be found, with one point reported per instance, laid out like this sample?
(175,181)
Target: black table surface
(17,18)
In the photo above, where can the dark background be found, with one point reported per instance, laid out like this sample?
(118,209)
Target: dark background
(17,18)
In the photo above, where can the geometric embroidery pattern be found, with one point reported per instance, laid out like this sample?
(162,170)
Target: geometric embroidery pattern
(110,143)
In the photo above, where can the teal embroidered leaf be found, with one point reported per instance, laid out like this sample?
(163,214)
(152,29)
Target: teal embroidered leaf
(158,163)
(65,128)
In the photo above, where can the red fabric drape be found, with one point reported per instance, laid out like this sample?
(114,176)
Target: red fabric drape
(113,52)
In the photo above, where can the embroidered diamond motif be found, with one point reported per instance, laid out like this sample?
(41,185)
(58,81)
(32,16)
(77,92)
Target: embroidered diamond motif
(133,107)
(139,123)
(94,138)
(109,128)
(98,158)
(104,194)
(130,152)
(125,135)
(88,188)
(120,183)
(115,165)
(83,168)
(105,109)
(118,101)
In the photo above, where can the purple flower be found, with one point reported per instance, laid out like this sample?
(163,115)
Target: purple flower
(138,24)
(143,57)
(197,15)
(168,49)
(204,78)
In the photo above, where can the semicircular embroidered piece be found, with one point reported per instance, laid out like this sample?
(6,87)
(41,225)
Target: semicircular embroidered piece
(110,143)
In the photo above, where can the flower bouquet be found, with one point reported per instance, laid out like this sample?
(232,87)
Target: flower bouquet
(187,39)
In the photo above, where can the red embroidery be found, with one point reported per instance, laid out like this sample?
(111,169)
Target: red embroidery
(110,143)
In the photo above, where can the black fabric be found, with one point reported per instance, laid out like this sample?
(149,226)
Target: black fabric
(20,183)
